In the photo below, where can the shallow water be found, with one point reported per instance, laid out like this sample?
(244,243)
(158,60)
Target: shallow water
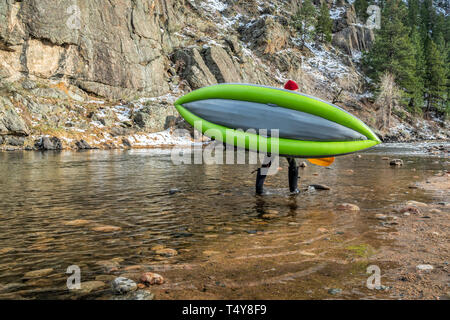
(41,192)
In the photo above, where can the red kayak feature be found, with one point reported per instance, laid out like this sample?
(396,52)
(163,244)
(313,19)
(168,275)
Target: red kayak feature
(291,85)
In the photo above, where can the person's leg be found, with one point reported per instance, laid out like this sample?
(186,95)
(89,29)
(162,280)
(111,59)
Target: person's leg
(293,175)
(261,175)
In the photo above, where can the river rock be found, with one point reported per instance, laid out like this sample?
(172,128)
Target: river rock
(47,143)
(210,253)
(335,291)
(348,207)
(150,278)
(10,287)
(424,267)
(82,145)
(320,187)
(416,203)
(108,265)
(105,277)
(133,275)
(37,273)
(269,216)
(410,209)
(15,141)
(6,250)
(77,222)
(166,252)
(107,229)
(11,123)
(136,295)
(89,286)
(380,216)
(133,268)
(396,162)
(123,285)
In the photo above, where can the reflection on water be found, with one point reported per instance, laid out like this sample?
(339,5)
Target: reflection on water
(41,192)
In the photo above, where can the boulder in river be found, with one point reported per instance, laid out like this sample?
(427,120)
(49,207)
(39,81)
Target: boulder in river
(123,285)
(82,145)
(47,143)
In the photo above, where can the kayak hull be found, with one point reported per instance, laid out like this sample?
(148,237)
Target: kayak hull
(311,127)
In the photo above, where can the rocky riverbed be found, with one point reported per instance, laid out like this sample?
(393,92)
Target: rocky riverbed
(113,215)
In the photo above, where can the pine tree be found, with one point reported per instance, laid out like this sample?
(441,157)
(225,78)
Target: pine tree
(324,24)
(435,77)
(427,15)
(393,52)
(416,101)
(414,14)
(361,9)
(304,20)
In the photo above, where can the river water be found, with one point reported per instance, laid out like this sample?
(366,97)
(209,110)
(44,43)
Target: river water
(84,208)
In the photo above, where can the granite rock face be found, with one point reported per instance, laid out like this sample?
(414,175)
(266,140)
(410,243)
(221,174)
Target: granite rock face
(107,72)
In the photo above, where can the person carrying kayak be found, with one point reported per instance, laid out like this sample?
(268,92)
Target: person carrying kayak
(293,168)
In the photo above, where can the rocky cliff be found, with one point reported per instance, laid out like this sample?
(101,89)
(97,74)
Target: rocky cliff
(82,74)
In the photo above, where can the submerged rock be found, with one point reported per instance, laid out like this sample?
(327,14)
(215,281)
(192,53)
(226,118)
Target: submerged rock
(150,278)
(166,252)
(77,222)
(37,273)
(347,207)
(396,162)
(89,286)
(320,187)
(6,250)
(137,295)
(123,285)
(335,291)
(410,209)
(107,229)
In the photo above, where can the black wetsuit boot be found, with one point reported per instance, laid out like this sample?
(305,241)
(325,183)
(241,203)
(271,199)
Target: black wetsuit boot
(293,175)
(260,178)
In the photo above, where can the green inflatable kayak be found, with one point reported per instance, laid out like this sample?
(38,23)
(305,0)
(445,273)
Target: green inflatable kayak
(246,115)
